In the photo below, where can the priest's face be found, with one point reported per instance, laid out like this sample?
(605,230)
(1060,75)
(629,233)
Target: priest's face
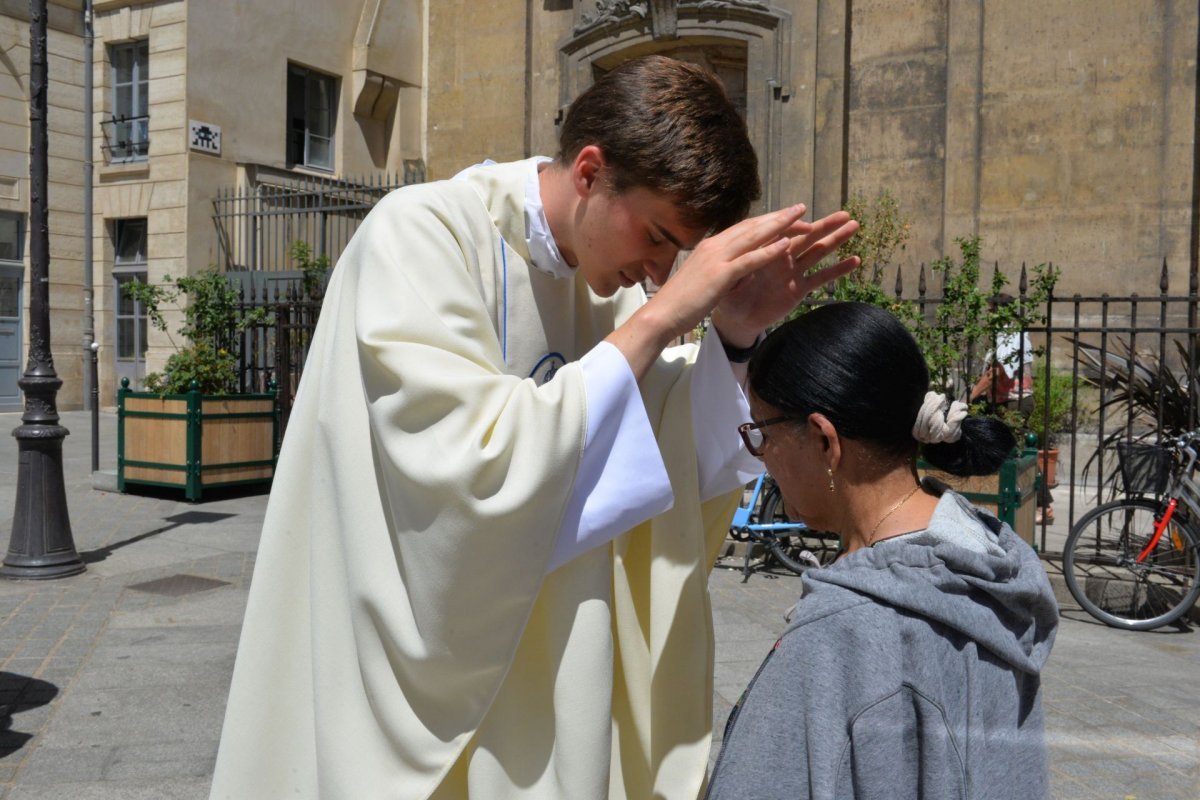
(623,238)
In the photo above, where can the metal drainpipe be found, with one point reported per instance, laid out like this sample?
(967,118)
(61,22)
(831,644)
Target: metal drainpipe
(91,387)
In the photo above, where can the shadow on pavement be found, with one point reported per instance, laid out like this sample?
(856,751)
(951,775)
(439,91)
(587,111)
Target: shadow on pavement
(176,520)
(1077,614)
(19,693)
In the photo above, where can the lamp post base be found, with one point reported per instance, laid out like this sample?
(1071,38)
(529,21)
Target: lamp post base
(41,546)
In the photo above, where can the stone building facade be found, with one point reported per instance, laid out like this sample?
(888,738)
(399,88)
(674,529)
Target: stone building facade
(191,97)
(1057,130)
(64,190)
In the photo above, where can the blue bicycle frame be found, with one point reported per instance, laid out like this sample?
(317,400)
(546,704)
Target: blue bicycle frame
(748,526)
(744,516)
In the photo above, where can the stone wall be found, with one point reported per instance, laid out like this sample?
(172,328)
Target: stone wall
(1058,130)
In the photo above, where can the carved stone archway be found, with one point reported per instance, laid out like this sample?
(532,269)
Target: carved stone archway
(739,35)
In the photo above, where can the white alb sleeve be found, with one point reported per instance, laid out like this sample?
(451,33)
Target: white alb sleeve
(622,480)
(719,405)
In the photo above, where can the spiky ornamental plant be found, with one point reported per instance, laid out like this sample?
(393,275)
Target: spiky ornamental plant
(1144,396)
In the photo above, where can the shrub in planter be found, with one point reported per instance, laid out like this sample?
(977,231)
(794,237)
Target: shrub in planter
(188,431)
(212,320)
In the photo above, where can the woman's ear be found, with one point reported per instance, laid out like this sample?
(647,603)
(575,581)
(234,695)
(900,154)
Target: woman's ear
(819,425)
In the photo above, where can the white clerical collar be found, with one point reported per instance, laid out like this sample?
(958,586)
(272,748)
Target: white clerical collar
(543,252)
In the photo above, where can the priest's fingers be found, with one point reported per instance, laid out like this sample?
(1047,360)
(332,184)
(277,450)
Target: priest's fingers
(758,231)
(801,230)
(818,278)
(808,251)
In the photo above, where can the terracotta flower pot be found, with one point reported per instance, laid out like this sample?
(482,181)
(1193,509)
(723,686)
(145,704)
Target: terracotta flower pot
(1047,461)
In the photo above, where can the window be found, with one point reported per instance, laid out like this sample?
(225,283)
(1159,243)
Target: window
(311,103)
(11,240)
(129,263)
(11,237)
(128,132)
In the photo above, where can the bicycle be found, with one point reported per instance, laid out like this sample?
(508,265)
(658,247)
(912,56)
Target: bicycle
(789,542)
(1133,563)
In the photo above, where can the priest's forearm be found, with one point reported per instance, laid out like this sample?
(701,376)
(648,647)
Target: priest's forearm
(643,337)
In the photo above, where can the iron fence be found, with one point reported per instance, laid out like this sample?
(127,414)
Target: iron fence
(257,225)
(1094,339)
(1131,363)
(271,353)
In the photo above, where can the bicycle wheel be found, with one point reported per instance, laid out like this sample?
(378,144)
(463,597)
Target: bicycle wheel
(787,547)
(1103,575)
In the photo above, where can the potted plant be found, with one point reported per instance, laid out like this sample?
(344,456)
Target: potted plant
(189,429)
(1051,413)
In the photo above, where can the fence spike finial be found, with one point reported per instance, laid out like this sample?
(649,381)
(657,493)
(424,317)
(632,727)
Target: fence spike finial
(921,281)
(899,283)
(1163,281)
(1023,284)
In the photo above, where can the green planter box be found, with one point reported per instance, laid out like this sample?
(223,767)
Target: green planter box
(1010,494)
(195,441)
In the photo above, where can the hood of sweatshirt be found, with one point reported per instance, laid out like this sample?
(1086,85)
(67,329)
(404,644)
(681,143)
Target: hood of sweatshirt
(967,570)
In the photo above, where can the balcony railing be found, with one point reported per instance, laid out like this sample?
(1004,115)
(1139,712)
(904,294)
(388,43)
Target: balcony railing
(125,139)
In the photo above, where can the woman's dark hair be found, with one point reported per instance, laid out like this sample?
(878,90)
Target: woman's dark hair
(860,367)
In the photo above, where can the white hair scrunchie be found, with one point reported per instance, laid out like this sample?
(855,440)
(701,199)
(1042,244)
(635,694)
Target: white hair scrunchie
(935,423)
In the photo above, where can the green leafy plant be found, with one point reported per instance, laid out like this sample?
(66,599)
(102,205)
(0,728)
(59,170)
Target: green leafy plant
(212,320)
(1058,398)
(314,269)
(965,323)
(883,229)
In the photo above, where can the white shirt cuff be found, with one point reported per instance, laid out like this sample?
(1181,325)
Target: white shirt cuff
(622,480)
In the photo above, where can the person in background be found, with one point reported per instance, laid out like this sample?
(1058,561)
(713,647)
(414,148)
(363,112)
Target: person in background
(910,667)
(1007,383)
(1007,377)
(483,568)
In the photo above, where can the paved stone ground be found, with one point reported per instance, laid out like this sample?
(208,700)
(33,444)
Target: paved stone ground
(113,683)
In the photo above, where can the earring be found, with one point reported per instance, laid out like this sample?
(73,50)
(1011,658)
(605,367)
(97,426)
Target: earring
(830,471)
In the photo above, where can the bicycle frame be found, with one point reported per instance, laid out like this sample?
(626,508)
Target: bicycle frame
(747,526)
(744,514)
(1180,487)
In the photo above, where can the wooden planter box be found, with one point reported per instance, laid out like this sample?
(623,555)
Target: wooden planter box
(1010,494)
(195,441)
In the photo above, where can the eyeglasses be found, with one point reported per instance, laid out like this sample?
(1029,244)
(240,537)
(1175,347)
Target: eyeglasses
(752,434)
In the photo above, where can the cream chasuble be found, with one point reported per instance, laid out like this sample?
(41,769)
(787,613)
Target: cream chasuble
(401,639)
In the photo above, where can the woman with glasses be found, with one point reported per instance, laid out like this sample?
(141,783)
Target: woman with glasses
(910,667)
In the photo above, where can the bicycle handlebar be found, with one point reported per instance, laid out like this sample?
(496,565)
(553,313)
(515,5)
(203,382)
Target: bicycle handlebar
(1185,439)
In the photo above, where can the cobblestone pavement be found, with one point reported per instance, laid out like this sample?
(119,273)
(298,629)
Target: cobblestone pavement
(113,683)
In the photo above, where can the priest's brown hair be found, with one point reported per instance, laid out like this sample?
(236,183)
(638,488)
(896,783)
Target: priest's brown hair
(668,126)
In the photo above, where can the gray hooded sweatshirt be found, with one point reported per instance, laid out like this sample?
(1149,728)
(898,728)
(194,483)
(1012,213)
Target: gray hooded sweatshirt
(908,670)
